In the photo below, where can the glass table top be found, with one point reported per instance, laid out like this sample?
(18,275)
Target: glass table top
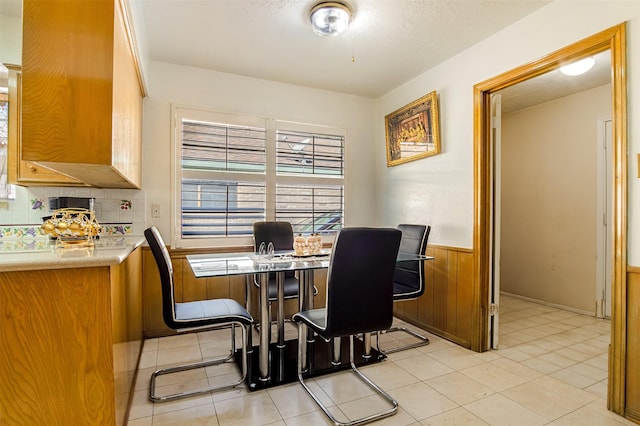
(221,264)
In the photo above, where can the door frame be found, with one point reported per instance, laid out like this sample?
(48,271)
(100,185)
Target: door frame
(604,217)
(613,39)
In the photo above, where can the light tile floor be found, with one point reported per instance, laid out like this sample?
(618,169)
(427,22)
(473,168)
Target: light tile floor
(551,369)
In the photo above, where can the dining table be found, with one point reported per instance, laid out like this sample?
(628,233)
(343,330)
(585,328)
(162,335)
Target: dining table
(276,363)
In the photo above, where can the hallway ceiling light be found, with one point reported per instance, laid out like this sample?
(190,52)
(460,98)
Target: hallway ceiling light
(330,18)
(578,67)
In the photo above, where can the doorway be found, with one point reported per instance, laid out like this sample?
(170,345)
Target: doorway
(612,39)
(550,171)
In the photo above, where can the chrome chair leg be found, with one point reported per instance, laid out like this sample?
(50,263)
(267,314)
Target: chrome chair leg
(422,340)
(246,339)
(366,345)
(337,351)
(354,369)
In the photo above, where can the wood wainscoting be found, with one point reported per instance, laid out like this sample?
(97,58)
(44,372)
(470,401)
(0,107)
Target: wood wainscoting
(632,397)
(445,307)
(189,288)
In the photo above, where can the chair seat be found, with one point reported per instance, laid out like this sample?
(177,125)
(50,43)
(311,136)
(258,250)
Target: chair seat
(210,312)
(404,291)
(316,319)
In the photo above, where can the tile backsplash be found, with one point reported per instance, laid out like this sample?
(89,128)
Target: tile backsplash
(117,210)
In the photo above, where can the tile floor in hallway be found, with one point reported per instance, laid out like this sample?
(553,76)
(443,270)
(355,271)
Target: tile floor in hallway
(551,369)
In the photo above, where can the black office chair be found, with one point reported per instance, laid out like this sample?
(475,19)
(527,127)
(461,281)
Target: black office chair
(359,300)
(281,235)
(408,279)
(196,316)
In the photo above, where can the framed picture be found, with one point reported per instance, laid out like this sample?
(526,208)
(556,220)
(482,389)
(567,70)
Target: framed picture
(412,131)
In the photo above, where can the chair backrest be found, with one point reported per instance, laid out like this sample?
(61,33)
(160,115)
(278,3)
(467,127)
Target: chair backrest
(163,261)
(409,276)
(279,233)
(360,280)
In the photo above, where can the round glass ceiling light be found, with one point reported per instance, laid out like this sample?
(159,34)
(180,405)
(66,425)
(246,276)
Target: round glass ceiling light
(578,67)
(330,18)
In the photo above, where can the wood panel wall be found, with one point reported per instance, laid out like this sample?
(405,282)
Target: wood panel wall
(446,305)
(632,399)
(444,309)
(189,288)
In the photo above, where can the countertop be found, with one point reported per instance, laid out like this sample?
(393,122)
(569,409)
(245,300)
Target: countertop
(37,254)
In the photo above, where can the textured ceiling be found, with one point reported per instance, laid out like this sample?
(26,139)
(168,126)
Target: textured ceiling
(391,41)
(388,43)
(554,84)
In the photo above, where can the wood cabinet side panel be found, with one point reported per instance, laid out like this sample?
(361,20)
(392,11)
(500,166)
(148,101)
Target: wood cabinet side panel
(127,105)
(55,347)
(126,308)
(126,295)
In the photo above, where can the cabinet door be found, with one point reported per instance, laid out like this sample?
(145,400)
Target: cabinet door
(25,172)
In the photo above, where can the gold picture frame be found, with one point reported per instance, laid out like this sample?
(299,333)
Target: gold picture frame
(412,132)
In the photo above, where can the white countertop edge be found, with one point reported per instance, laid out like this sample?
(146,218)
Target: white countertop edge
(102,255)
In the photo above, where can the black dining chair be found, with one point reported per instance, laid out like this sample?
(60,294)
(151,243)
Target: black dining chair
(408,279)
(359,300)
(197,316)
(279,233)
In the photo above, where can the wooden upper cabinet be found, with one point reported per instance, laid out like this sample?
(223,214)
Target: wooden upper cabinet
(81,92)
(19,171)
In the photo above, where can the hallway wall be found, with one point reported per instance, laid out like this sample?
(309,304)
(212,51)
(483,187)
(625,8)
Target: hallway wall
(549,199)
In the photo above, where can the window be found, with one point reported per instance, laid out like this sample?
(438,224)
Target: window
(232,170)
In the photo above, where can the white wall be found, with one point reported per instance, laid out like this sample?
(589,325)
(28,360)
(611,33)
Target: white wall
(10,40)
(169,83)
(549,214)
(439,190)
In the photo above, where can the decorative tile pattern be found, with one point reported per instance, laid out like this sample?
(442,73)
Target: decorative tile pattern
(29,231)
(35,231)
(21,244)
(116,229)
(37,204)
(113,206)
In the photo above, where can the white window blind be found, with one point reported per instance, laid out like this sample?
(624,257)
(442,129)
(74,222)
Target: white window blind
(233,170)
(311,209)
(314,202)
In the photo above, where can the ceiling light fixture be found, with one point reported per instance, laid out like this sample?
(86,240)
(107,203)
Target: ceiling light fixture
(578,67)
(330,18)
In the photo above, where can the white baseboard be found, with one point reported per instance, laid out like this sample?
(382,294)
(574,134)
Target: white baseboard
(553,305)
